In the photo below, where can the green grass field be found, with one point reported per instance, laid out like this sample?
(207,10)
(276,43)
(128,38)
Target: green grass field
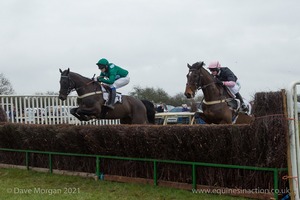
(22,184)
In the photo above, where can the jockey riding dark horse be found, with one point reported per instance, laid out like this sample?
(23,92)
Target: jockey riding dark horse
(225,77)
(91,99)
(114,77)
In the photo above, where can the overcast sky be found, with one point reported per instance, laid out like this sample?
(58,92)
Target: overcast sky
(259,40)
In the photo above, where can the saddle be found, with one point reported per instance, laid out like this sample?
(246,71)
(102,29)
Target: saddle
(105,90)
(105,94)
(232,102)
(117,99)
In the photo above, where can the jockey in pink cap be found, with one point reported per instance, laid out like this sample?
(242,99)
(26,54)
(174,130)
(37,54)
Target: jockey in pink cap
(227,78)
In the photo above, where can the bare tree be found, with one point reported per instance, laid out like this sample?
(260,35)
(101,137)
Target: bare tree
(47,93)
(151,94)
(5,85)
(159,95)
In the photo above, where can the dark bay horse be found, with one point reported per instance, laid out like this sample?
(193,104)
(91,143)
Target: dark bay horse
(90,102)
(216,98)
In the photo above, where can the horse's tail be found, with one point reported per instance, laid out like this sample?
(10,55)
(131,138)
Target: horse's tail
(150,111)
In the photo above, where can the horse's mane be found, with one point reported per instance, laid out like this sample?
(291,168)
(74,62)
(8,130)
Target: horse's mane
(78,75)
(199,65)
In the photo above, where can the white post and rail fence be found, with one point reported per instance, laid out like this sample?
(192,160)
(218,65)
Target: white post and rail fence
(48,109)
(294,146)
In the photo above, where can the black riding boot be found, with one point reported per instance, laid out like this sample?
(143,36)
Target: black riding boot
(243,105)
(111,99)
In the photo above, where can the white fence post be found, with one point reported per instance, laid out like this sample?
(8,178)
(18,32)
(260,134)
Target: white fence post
(294,137)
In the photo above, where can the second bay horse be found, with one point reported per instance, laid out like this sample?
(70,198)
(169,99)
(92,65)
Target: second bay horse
(216,98)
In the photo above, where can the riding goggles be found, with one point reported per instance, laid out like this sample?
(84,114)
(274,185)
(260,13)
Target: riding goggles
(101,66)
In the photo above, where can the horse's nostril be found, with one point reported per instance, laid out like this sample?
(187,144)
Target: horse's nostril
(188,95)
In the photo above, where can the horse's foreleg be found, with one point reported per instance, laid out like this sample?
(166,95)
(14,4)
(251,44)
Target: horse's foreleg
(227,119)
(73,111)
(201,116)
(76,112)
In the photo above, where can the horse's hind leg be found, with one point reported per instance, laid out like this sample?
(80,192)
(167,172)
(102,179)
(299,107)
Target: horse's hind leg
(135,111)
(134,120)
(139,120)
(126,121)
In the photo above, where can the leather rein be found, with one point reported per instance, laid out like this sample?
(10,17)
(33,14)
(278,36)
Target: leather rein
(199,87)
(72,86)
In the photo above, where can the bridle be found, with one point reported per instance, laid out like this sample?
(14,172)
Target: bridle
(72,84)
(197,83)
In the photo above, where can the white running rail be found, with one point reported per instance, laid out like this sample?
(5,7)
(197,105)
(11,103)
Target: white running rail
(41,109)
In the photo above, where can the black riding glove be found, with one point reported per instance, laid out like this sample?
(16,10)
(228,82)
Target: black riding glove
(96,79)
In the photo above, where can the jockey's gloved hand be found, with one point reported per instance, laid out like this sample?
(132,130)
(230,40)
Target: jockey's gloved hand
(219,82)
(95,79)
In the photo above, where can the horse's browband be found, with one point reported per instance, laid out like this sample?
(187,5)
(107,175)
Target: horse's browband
(89,94)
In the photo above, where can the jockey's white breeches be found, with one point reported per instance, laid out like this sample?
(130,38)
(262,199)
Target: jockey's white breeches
(236,88)
(120,82)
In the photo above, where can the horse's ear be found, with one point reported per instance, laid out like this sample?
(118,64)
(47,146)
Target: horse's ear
(60,71)
(188,65)
(68,70)
(201,64)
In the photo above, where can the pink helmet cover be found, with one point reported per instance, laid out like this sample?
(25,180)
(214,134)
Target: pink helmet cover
(214,64)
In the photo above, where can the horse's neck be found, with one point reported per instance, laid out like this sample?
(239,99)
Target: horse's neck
(211,92)
(83,85)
